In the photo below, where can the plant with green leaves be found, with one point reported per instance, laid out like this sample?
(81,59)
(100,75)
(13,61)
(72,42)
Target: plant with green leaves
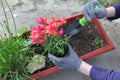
(6,23)
(15,50)
(14,56)
(98,42)
(50,35)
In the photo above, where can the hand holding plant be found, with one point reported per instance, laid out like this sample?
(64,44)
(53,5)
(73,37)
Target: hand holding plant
(50,35)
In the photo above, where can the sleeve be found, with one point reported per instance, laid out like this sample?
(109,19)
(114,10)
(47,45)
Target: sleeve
(117,12)
(104,74)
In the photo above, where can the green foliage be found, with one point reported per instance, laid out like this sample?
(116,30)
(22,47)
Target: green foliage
(14,56)
(6,24)
(82,1)
(107,3)
(56,45)
(14,51)
(98,42)
(21,31)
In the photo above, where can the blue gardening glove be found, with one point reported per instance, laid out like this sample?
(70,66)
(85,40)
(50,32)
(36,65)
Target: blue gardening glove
(91,12)
(69,62)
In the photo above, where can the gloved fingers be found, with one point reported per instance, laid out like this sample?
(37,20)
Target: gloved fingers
(91,10)
(54,58)
(93,3)
(86,14)
(70,49)
(60,65)
(97,11)
(97,3)
(65,66)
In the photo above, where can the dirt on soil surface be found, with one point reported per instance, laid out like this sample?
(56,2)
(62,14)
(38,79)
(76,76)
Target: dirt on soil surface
(82,43)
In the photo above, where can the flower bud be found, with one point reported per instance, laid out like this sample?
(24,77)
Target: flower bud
(42,41)
(61,32)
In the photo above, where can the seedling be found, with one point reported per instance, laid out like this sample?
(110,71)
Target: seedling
(98,42)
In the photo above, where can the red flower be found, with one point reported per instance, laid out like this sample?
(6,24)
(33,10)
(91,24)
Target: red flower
(45,27)
(42,41)
(38,32)
(43,21)
(61,32)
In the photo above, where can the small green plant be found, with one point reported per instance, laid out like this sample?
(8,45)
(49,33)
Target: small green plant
(14,56)
(15,51)
(98,42)
(6,24)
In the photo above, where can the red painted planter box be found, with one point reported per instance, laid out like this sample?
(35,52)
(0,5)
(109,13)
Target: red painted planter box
(92,54)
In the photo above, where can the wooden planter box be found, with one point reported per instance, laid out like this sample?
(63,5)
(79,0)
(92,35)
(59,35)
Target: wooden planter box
(92,54)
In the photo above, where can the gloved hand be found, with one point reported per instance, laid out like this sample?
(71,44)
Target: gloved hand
(69,62)
(91,12)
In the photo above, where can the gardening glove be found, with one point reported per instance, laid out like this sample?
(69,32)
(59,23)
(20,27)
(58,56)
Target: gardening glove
(90,11)
(70,62)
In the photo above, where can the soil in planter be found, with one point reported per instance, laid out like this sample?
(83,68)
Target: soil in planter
(86,41)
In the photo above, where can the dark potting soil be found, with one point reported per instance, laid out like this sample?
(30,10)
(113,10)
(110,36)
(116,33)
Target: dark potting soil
(82,43)
(87,40)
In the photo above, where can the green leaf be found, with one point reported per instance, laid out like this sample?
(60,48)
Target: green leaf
(28,42)
(21,31)
(2,58)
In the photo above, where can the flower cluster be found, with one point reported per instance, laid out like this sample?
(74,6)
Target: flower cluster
(45,27)
(49,33)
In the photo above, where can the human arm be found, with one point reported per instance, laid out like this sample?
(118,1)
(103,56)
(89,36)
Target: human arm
(98,73)
(85,68)
(111,12)
(74,63)
(114,11)
(104,74)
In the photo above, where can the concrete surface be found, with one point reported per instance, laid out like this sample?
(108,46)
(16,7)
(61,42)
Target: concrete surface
(27,14)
